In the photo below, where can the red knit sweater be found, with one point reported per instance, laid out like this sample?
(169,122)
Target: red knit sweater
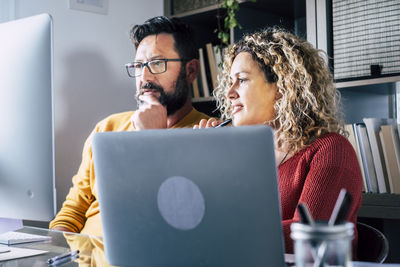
(315,176)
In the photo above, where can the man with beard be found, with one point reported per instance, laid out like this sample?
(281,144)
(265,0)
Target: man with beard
(165,66)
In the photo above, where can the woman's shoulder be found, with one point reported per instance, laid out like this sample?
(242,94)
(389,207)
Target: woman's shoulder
(329,145)
(333,146)
(331,140)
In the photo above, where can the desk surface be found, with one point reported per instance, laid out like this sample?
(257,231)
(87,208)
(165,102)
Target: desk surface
(91,250)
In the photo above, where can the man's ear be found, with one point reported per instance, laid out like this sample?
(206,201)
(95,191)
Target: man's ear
(192,69)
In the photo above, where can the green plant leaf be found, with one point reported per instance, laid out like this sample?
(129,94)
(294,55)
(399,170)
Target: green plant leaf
(235,5)
(225,38)
(230,21)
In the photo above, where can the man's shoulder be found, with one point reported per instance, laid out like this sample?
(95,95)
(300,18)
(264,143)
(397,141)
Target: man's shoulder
(191,119)
(116,122)
(197,115)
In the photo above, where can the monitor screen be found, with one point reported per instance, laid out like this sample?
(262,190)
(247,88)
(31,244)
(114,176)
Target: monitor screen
(27,183)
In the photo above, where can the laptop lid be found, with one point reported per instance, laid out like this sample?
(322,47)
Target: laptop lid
(186,197)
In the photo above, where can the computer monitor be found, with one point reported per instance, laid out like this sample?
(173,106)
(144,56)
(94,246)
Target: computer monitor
(27,183)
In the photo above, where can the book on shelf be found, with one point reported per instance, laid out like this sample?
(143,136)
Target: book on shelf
(203,74)
(211,60)
(212,64)
(373,126)
(353,139)
(391,150)
(366,155)
(196,91)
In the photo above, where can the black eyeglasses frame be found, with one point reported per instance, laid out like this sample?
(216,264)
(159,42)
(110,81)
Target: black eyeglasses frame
(146,64)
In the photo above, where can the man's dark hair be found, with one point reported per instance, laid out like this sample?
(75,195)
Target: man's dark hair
(181,32)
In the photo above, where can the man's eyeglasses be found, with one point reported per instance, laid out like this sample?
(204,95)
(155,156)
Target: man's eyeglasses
(155,66)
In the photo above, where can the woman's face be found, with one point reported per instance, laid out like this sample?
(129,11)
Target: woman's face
(252,97)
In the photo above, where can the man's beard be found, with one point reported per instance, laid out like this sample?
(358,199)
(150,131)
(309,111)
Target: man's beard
(172,101)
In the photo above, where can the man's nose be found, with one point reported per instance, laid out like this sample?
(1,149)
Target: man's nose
(146,74)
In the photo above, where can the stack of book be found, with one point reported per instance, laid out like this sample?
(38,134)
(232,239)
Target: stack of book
(211,58)
(377,144)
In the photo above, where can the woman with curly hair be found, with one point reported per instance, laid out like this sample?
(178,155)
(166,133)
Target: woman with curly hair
(273,77)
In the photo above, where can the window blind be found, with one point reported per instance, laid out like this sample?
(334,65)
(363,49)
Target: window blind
(366,38)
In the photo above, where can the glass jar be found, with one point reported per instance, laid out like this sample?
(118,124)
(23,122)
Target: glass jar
(322,245)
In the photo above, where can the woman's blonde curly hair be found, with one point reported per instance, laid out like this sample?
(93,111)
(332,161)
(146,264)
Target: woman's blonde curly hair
(309,104)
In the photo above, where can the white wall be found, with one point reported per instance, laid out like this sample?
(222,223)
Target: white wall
(90,81)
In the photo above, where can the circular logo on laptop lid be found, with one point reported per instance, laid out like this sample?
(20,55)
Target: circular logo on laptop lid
(181,203)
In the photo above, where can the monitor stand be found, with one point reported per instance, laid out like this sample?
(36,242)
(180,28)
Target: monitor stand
(4,249)
(6,225)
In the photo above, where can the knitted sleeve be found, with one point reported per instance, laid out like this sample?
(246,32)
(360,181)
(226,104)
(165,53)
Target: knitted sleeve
(73,212)
(327,167)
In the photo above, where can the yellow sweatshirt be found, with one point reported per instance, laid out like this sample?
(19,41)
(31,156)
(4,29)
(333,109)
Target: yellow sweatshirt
(80,210)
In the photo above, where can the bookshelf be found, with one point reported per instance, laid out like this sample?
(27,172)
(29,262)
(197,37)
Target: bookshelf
(383,206)
(288,14)
(365,82)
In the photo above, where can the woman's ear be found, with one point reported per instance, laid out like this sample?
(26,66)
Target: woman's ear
(277,94)
(192,69)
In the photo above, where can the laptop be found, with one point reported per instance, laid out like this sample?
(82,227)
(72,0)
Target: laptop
(184,197)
